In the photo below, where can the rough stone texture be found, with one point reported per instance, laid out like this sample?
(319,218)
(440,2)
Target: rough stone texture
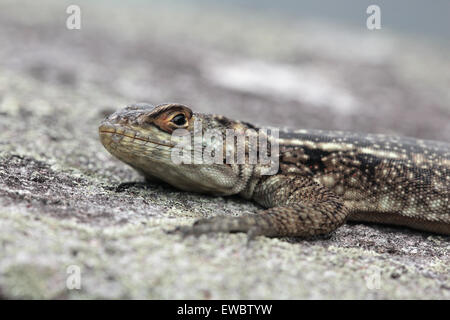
(60,199)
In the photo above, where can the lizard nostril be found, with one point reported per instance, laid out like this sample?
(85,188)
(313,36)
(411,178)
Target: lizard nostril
(122,120)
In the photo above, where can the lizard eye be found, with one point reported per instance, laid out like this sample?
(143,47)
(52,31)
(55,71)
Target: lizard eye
(179,119)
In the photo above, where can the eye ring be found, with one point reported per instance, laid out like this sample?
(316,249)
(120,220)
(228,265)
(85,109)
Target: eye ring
(179,120)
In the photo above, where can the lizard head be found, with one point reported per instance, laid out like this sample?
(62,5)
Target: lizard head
(148,138)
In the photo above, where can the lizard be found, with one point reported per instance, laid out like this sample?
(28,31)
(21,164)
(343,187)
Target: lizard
(324,178)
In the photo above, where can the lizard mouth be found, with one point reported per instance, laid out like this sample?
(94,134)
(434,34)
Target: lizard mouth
(110,131)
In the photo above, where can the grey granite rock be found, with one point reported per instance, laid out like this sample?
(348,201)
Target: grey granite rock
(61,200)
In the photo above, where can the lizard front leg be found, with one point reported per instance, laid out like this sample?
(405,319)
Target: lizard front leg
(297,206)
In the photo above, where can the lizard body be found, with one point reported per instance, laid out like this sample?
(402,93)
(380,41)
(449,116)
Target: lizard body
(324,177)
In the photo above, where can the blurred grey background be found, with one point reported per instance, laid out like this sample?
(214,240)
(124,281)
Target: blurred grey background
(413,17)
(298,64)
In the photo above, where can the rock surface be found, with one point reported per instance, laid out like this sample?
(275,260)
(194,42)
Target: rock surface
(62,202)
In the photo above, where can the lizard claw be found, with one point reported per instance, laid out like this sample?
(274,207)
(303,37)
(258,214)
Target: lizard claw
(185,231)
(221,224)
(198,228)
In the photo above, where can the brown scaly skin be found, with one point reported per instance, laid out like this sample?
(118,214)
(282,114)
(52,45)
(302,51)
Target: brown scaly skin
(324,178)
